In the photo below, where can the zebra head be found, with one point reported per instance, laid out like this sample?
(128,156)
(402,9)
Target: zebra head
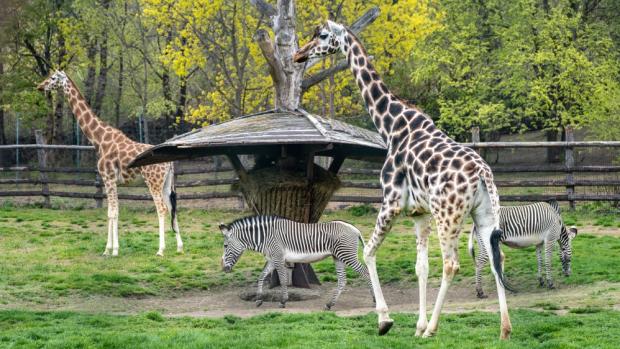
(233,248)
(566,249)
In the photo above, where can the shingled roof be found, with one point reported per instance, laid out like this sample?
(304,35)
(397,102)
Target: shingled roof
(268,132)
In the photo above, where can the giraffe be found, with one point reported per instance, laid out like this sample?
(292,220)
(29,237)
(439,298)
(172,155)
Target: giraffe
(425,172)
(114,153)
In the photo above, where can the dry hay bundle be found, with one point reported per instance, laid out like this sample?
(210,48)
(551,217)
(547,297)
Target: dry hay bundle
(289,194)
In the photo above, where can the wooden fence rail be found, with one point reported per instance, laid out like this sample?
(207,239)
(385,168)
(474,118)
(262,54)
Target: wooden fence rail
(362,179)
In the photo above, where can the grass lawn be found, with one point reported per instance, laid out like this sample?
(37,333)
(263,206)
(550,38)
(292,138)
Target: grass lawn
(590,328)
(49,254)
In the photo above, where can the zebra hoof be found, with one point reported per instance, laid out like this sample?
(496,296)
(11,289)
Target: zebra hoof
(541,283)
(328,306)
(551,287)
(384,327)
(282,305)
(259,302)
(481,295)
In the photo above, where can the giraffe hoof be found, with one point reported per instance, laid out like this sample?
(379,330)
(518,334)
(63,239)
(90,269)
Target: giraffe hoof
(106,253)
(180,251)
(160,254)
(115,253)
(428,334)
(384,327)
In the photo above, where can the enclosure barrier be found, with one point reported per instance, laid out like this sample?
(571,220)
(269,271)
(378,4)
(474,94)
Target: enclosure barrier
(567,169)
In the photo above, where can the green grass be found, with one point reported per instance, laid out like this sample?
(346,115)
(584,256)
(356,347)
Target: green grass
(52,253)
(593,329)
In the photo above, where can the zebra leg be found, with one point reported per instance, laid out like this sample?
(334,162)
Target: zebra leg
(361,269)
(481,260)
(539,257)
(342,282)
(283,275)
(480,263)
(261,280)
(422,230)
(548,255)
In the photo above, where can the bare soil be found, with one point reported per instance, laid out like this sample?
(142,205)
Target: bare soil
(354,301)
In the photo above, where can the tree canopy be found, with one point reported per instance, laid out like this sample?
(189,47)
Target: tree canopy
(506,66)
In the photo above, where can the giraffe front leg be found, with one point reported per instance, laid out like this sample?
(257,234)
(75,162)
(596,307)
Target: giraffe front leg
(423,230)
(384,222)
(448,237)
(112,198)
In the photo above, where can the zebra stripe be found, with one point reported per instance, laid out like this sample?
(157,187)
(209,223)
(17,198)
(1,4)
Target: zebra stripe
(284,241)
(538,224)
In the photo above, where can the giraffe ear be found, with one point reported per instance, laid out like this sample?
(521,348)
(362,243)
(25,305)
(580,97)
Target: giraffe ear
(335,28)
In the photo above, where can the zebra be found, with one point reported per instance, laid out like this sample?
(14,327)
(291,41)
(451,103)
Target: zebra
(538,224)
(283,241)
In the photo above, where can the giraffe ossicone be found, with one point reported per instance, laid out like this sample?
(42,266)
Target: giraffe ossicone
(115,151)
(425,170)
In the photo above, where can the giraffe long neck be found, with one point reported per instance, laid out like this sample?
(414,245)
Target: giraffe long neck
(381,104)
(90,124)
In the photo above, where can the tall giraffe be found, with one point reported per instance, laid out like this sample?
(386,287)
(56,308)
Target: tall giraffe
(114,152)
(425,171)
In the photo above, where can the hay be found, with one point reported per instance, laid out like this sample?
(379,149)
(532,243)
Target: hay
(289,194)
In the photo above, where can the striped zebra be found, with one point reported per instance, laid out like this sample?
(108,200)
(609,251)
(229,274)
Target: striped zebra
(538,224)
(283,241)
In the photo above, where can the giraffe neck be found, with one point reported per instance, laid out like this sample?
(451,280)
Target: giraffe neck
(381,104)
(90,124)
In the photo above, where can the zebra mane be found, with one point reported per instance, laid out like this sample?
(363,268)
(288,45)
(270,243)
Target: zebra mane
(244,221)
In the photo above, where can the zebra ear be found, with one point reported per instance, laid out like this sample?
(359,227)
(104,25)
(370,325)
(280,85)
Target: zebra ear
(572,232)
(224,228)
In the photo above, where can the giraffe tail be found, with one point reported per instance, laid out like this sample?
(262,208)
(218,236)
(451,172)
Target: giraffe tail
(169,190)
(496,235)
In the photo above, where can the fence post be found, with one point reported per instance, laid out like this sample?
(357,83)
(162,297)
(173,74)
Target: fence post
(99,192)
(42,157)
(569,162)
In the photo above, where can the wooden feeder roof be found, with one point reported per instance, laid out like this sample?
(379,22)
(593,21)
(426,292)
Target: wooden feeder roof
(268,132)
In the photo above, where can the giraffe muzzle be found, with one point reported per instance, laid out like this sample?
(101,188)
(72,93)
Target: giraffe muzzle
(303,53)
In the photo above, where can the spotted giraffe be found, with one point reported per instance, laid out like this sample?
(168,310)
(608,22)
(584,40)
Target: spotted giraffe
(114,153)
(425,171)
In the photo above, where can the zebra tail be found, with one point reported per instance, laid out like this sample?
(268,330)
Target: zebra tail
(496,236)
(554,204)
(470,244)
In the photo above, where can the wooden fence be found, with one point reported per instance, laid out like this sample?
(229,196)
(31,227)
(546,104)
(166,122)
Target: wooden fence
(359,185)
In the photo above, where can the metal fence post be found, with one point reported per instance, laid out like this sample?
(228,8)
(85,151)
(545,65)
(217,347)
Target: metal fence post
(99,192)
(569,162)
(42,157)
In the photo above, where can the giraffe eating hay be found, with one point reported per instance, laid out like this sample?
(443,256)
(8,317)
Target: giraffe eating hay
(114,153)
(424,170)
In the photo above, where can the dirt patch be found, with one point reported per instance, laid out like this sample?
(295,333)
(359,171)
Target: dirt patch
(354,300)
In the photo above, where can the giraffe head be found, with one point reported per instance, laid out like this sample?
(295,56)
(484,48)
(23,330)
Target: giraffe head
(328,39)
(57,79)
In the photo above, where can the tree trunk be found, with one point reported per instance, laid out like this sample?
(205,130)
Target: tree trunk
(180,113)
(119,90)
(2,132)
(288,92)
(103,67)
(553,154)
(59,110)
(89,83)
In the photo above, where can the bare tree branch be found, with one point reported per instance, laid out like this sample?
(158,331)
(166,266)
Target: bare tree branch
(323,74)
(266,46)
(264,8)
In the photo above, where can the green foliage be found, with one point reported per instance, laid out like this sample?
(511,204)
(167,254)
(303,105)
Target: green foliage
(361,210)
(518,65)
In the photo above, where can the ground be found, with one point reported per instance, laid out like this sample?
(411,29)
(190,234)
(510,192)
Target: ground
(56,289)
